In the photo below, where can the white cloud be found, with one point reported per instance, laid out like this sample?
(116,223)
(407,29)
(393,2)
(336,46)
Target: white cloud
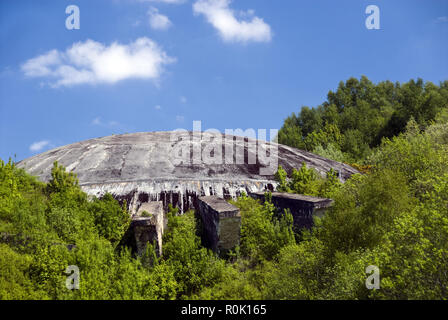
(92,62)
(157,107)
(98,122)
(183,99)
(158,21)
(40,66)
(39,145)
(441,19)
(218,14)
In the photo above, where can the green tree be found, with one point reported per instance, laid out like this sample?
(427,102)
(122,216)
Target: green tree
(194,266)
(305,181)
(111,220)
(262,232)
(281,177)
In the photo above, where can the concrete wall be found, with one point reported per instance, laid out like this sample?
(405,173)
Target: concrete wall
(150,228)
(303,208)
(221,224)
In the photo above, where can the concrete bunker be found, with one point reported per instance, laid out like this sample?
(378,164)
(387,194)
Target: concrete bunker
(220,221)
(138,168)
(303,208)
(148,225)
(221,224)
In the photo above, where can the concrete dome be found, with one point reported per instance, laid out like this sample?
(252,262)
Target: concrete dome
(140,167)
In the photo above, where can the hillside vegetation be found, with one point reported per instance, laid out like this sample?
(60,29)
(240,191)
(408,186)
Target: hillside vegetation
(395,216)
(359,114)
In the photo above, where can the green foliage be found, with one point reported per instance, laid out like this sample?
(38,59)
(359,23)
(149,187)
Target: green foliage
(281,177)
(15,282)
(298,273)
(194,266)
(359,114)
(329,134)
(414,253)
(22,203)
(262,233)
(331,184)
(145,214)
(421,158)
(307,181)
(111,220)
(38,220)
(364,210)
(61,181)
(237,283)
(331,152)
(395,216)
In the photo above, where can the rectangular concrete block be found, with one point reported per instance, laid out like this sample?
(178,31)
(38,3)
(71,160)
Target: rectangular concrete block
(148,225)
(221,224)
(303,208)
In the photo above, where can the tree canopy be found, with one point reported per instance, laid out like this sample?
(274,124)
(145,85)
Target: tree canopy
(359,114)
(393,216)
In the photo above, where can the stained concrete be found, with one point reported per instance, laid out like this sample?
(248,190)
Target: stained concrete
(221,224)
(138,167)
(303,208)
(149,228)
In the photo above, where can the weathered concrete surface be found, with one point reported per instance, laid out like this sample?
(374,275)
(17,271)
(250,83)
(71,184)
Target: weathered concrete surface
(138,167)
(221,224)
(149,228)
(303,208)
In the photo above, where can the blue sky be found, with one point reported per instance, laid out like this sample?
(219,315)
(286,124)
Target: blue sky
(148,65)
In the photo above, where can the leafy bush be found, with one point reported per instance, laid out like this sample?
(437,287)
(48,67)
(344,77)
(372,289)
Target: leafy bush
(262,233)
